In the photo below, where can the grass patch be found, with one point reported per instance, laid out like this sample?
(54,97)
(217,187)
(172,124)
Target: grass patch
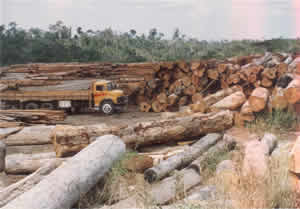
(108,189)
(277,122)
(271,191)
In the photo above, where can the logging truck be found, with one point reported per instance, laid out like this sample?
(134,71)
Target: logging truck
(102,96)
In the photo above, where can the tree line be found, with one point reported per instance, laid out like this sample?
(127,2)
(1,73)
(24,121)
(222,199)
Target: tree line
(61,43)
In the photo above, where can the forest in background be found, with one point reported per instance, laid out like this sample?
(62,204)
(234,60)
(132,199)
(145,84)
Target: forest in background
(61,43)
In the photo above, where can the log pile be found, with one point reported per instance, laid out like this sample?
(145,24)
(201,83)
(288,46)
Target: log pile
(165,86)
(10,118)
(191,83)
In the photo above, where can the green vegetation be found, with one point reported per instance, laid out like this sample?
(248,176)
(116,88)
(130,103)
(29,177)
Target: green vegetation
(277,122)
(61,43)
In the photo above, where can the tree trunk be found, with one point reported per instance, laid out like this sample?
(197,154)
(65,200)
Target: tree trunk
(214,98)
(21,164)
(35,135)
(231,102)
(13,191)
(68,140)
(65,185)
(258,99)
(182,159)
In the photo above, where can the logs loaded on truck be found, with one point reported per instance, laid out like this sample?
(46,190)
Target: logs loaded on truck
(102,96)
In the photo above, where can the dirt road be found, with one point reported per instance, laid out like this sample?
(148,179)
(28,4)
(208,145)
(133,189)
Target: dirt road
(133,115)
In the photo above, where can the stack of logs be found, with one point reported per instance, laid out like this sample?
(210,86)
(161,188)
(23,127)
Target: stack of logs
(182,83)
(12,118)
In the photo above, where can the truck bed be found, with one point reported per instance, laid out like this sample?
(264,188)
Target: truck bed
(24,96)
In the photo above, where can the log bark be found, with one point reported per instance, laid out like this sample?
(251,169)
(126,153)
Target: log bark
(65,185)
(5,132)
(231,102)
(181,160)
(140,134)
(2,156)
(35,135)
(13,191)
(22,164)
(258,99)
(177,185)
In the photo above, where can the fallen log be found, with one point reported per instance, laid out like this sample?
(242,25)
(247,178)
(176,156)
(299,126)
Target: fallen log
(34,116)
(145,133)
(5,132)
(231,102)
(13,191)
(22,164)
(182,159)
(175,186)
(66,184)
(214,98)
(35,135)
(258,99)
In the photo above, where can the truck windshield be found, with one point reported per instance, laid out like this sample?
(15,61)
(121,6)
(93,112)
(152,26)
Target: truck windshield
(111,86)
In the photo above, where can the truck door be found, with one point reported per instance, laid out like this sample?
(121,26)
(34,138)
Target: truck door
(99,93)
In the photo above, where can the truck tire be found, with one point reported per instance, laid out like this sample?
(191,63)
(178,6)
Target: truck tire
(48,106)
(107,107)
(31,106)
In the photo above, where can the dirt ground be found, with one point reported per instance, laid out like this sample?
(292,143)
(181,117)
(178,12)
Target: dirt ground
(131,116)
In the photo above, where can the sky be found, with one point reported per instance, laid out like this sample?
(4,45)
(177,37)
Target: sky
(202,19)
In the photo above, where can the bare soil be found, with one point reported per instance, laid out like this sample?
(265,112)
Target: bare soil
(131,116)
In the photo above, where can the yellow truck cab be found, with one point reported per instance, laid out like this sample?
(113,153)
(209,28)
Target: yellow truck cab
(106,97)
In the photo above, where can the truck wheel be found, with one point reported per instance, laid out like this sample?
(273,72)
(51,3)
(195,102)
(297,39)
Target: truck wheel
(31,106)
(48,106)
(107,107)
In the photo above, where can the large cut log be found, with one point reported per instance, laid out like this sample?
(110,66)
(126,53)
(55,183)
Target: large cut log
(214,98)
(231,102)
(35,135)
(292,92)
(258,99)
(182,159)
(68,140)
(65,185)
(13,191)
(22,164)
